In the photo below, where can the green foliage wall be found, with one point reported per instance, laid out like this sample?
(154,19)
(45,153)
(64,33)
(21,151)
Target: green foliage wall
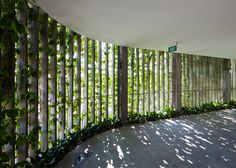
(89,69)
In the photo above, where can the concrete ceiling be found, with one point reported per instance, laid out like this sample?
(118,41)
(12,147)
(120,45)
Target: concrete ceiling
(202,27)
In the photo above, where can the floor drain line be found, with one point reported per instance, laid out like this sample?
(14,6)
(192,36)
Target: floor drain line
(81,158)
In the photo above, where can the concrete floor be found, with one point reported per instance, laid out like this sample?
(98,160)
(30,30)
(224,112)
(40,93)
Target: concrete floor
(198,141)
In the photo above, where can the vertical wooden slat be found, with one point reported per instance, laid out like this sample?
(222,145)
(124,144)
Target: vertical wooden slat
(198,81)
(148,81)
(184,80)
(100,81)
(176,81)
(163,79)
(93,81)
(132,80)
(234,80)
(226,80)
(137,79)
(143,82)
(201,80)
(78,80)
(107,80)
(44,82)
(33,81)
(209,80)
(158,81)
(113,80)
(70,80)
(195,80)
(218,78)
(188,79)
(234,70)
(191,79)
(232,84)
(86,80)
(167,79)
(221,78)
(22,82)
(215,78)
(204,80)
(62,84)
(123,85)
(153,81)
(7,82)
(53,80)
(170,79)
(118,80)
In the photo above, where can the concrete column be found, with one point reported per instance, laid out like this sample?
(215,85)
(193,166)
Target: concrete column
(123,79)
(176,81)
(226,80)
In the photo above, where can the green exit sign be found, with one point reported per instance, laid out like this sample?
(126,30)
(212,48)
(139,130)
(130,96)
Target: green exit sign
(172,49)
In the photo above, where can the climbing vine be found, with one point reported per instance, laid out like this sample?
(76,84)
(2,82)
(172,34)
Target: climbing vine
(11,29)
(81,76)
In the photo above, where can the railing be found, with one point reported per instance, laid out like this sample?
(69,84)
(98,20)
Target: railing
(64,81)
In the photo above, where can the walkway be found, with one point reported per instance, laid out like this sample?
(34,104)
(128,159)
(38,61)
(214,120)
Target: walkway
(205,140)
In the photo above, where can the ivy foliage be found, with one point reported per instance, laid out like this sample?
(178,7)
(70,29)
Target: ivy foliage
(9,21)
(12,29)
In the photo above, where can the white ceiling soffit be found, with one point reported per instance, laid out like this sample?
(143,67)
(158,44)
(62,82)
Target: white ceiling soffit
(202,27)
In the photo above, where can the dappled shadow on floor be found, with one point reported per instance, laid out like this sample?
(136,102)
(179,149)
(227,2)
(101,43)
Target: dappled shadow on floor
(206,140)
